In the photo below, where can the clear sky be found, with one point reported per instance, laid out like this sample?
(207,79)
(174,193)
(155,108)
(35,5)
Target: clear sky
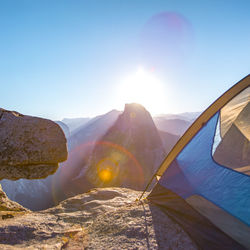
(82,58)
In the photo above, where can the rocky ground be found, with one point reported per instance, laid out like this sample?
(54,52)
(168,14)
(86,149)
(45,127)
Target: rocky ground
(108,218)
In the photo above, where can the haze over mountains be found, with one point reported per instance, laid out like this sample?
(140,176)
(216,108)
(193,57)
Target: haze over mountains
(115,149)
(74,124)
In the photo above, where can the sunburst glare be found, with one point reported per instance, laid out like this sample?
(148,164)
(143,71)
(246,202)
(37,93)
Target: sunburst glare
(145,88)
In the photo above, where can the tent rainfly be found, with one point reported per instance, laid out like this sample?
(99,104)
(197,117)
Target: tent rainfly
(204,182)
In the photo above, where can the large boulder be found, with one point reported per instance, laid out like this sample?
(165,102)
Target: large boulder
(30,147)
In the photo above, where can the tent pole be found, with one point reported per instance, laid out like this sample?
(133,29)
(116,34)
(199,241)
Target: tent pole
(146,188)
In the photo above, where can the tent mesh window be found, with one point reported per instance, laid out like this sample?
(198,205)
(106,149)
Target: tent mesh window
(234,123)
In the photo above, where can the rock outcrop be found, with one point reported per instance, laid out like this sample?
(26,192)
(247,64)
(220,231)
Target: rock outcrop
(8,205)
(168,140)
(108,218)
(31,147)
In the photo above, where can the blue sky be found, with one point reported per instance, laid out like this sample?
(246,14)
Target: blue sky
(68,58)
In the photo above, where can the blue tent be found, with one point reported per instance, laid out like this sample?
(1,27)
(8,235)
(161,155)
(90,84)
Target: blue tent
(204,182)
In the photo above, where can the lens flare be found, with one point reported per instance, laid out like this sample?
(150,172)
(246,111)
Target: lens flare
(108,168)
(166,41)
(105,175)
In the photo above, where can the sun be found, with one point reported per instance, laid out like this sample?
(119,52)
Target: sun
(144,88)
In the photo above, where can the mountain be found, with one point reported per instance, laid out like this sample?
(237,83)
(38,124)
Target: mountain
(127,155)
(186,116)
(168,140)
(74,123)
(172,126)
(92,130)
(33,194)
(190,116)
(82,141)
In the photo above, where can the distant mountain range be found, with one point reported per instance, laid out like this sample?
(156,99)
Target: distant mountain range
(171,123)
(93,129)
(115,149)
(74,123)
(172,126)
(186,116)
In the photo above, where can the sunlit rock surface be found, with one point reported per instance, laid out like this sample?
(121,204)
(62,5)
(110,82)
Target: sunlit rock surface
(108,218)
(31,147)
